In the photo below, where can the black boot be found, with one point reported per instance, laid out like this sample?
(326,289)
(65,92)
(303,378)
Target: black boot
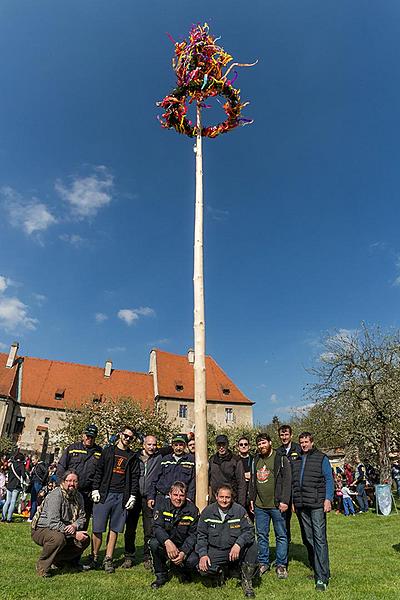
(247,580)
(160,580)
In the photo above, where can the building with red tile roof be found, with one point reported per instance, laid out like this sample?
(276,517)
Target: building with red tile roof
(35,392)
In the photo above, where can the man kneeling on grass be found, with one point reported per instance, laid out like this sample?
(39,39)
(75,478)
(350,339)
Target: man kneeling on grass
(174,535)
(225,538)
(57,527)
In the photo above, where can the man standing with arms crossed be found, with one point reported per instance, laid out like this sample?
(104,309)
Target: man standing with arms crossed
(313,490)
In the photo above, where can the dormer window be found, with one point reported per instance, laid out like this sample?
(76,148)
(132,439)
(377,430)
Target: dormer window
(179,386)
(97,398)
(226,391)
(59,395)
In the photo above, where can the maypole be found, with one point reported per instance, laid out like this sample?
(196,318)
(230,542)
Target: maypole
(198,65)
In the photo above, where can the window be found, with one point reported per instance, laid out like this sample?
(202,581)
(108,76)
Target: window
(226,391)
(19,424)
(59,395)
(47,419)
(179,386)
(229,416)
(183,411)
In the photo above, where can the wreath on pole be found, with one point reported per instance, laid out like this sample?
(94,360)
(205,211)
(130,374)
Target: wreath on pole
(199,64)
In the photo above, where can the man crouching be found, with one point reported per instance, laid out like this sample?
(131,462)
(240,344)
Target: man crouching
(174,534)
(225,537)
(57,527)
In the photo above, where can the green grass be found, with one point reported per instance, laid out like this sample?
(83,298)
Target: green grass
(364,553)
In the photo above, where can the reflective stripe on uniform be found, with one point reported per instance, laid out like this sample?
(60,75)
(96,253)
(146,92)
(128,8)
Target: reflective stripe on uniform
(233,521)
(213,521)
(78,451)
(168,514)
(187,518)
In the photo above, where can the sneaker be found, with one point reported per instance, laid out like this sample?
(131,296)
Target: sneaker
(281,572)
(264,569)
(108,565)
(320,586)
(127,564)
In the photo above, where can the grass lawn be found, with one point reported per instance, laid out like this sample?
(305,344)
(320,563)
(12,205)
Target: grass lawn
(364,553)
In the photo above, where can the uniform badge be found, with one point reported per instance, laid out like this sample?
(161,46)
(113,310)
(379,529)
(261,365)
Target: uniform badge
(156,515)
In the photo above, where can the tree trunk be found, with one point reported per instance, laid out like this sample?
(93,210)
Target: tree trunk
(384,459)
(200,400)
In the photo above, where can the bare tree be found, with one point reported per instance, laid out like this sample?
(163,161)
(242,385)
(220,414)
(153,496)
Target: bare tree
(358,388)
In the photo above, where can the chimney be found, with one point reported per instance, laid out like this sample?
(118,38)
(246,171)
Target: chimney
(190,356)
(12,354)
(108,368)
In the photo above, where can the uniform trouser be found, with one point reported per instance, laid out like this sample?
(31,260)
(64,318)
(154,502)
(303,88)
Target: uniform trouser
(160,558)
(220,558)
(88,507)
(314,524)
(131,527)
(56,548)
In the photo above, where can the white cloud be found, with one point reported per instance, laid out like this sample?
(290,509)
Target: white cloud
(3,346)
(4,283)
(159,342)
(131,315)
(87,195)
(40,298)
(100,317)
(72,238)
(31,216)
(14,315)
(274,399)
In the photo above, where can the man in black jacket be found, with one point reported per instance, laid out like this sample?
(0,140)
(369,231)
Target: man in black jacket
(269,494)
(225,537)
(82,457)
(38,478)
(174,466)
(225,468)
(115,488)
(292,451)
(148,460)
(174,534)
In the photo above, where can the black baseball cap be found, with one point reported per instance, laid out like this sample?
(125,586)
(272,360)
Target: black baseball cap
(221,439)
(91,430)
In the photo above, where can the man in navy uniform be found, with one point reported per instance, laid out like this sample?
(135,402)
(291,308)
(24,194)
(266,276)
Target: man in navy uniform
(174,534)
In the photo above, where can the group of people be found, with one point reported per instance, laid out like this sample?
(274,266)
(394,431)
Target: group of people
(351,489)
(115,485)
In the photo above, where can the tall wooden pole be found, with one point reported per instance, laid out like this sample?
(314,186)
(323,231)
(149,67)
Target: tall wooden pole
(200,400)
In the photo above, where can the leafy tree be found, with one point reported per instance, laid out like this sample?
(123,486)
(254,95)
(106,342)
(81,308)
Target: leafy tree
(7,445)
(357,394)
(110,416)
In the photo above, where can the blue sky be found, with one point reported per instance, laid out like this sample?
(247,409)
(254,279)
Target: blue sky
(301,230)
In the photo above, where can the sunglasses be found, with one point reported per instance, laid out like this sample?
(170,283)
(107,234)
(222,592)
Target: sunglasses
(243,444)
(128,437)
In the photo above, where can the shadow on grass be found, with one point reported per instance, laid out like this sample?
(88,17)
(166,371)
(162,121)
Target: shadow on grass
(396,547)
(298,552)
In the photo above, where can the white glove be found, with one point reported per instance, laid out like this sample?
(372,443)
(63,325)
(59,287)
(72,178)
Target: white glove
(131,502)
(96,496)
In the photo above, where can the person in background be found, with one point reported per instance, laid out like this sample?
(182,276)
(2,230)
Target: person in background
(3,480)
(191,445)
(348,505)
(58,527)
(38,478)
(338,492)
(348,473)
(313,489)
(396,477)
(17,479)
(360,481)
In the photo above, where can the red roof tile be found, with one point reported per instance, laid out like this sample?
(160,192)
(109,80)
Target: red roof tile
(78,383)
(174,370)
(7,376)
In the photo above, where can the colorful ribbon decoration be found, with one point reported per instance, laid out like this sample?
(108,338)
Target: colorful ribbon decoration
(198,65)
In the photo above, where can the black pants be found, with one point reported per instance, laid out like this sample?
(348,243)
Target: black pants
(88,507)
(220,558)
(160,558)
(314,524)
(131,527)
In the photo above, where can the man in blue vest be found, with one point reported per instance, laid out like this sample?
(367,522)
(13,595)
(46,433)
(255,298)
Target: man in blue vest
(313,490)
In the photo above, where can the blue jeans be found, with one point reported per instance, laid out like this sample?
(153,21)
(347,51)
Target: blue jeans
(263,517)
(314,526)
(348,506)
(11,501)
(362,497)
(36,487)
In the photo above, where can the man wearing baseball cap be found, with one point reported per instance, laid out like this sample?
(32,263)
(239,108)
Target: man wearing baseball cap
(175,466)
(82,457)
(225,468)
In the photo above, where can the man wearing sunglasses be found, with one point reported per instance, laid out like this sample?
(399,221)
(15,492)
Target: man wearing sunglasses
(115,488)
